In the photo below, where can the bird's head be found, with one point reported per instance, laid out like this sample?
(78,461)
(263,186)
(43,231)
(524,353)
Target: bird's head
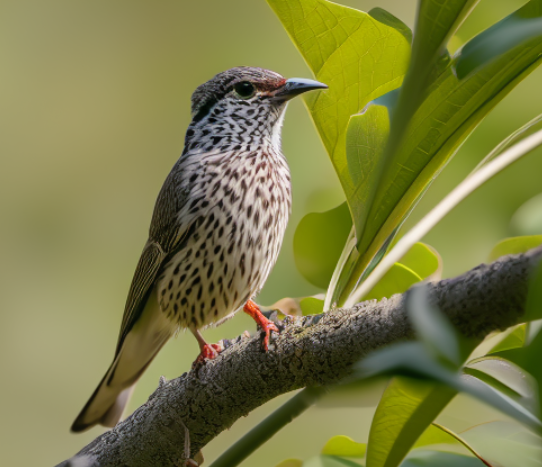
(242,106)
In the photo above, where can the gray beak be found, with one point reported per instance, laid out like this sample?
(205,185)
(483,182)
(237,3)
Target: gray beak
(295,86)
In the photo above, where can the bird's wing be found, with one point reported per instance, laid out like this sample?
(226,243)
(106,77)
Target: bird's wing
(167,236)
(145,274)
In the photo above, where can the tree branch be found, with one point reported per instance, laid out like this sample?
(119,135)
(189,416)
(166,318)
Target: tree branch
(314,350)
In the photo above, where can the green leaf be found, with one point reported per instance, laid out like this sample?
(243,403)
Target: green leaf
(411,358)
(311,306)
(343,446)
(397,280)
(360,56)
(436,22)
(406,409)
(533,351)
(461,440)
(366,138)
(507,378)
(318,243)
(418,264)
(424,260)
(527,220)
(433,435)
(514,246)
(510,34)
(514,339)
(449,113)
(439,459)
(505,444)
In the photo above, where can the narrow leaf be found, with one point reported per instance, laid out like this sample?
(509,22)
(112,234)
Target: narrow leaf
(432,327)
(406,409)
(510,34)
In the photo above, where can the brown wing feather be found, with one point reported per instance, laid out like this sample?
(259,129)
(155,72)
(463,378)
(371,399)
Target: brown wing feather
(145,274)
(167,236)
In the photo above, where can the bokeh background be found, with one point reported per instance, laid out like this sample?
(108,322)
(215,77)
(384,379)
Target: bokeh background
(94,102)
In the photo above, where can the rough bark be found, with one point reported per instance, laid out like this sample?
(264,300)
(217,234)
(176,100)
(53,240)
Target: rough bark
(317,350)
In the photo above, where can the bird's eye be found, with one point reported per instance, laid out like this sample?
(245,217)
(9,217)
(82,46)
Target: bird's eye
(244,89)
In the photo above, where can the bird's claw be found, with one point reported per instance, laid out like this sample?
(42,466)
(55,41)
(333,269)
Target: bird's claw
(208,352)
(265,324)
(267,327)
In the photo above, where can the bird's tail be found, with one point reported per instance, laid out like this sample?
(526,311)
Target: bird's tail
(143,342)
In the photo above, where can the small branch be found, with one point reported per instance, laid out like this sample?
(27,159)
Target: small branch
(310,351)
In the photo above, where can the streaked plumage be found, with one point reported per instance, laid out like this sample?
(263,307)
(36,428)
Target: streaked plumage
(216,230)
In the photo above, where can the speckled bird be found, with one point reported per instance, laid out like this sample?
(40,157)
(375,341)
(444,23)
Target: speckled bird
(216,230)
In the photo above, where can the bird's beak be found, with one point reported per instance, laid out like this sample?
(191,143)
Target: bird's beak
(296,86)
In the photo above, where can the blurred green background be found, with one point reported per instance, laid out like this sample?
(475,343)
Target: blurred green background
(94,99)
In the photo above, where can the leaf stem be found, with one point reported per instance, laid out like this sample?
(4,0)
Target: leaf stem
(463,442)
(268,427)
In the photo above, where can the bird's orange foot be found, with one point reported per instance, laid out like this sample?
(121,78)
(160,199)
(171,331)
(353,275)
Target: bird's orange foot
(208,352)
(266,325)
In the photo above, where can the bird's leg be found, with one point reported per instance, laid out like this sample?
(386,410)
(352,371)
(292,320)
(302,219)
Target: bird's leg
(207,351)
(267,326)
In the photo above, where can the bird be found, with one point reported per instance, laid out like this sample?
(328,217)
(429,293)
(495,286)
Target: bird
(215,233)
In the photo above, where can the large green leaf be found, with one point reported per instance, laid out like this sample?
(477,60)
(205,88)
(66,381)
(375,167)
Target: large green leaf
(406,409)
(361,56)
(318,242)
(514,246)
(366,139)
(505,444)
(507,378)
(436,22)
(449,113)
